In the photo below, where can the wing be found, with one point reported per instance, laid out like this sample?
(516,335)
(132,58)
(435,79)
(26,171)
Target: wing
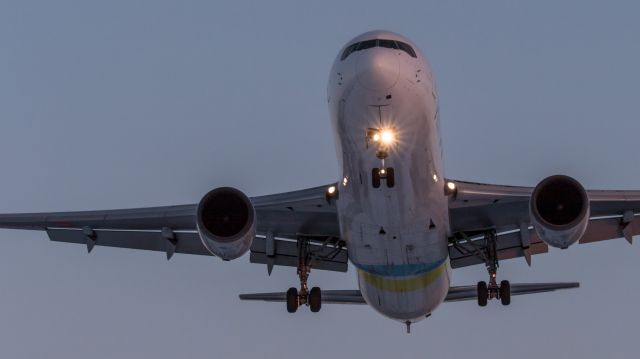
(172,229)
(476,207)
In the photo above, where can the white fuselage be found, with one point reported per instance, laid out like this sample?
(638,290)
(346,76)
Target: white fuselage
(396,236)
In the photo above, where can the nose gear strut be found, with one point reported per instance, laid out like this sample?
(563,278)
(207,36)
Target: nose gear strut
(383,140)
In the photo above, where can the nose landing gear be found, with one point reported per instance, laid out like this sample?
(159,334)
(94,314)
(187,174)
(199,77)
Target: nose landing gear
(383,139)
(378,174)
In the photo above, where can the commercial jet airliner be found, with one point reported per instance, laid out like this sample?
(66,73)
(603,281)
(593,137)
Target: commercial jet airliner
(392,212)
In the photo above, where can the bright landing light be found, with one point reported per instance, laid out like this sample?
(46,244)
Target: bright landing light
(387,137)
(331,190)
(451,186)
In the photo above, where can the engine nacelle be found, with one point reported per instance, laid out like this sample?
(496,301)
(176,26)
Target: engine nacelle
(226,222)
(559,209)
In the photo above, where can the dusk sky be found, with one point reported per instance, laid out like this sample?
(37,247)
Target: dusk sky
(116,104)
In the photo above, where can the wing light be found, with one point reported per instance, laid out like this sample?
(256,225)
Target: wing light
(450,189)
(332,193)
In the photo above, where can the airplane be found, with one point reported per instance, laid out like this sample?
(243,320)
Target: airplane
(392,213)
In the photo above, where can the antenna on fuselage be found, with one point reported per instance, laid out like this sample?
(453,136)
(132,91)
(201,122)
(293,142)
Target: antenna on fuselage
(408,323)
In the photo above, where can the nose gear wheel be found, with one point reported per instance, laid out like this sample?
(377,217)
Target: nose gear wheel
(386,174)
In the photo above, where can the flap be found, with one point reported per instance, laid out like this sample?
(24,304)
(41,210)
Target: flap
(330,255)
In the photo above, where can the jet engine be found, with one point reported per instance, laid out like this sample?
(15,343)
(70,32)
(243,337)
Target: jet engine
(559,209)
(226,222)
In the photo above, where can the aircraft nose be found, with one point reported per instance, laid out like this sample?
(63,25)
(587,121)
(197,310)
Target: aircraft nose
(378,69)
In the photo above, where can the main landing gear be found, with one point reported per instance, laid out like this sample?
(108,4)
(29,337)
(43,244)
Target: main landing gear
(297,298)
(493,291)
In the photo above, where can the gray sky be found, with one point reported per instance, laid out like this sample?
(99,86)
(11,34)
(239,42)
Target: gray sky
(112,104)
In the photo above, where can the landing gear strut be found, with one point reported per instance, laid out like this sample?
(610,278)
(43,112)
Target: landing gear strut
(383,139)
(493,291)
(297,298)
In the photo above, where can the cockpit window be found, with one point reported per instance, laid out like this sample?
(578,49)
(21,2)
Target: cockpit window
(389,44)
(406,48)
(348,51)
(367,44)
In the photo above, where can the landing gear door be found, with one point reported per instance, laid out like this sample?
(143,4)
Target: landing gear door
(385,116)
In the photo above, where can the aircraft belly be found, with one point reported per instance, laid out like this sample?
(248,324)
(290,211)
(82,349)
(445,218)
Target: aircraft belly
(404,226)
(406,297)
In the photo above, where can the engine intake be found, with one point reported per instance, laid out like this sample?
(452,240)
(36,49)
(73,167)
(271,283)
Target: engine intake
(559,209)
(226,222)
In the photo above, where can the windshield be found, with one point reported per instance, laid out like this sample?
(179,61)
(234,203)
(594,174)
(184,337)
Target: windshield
(389,44)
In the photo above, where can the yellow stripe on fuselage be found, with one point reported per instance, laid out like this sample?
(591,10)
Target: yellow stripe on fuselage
(403,284)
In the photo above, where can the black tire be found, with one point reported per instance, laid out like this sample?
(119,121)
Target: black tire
(483,294)
(315,299)
(292,300)
(391,177)
(505,292)
(375,178)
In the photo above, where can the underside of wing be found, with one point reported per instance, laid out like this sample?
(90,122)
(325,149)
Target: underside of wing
(476,209)
(169,229)
(280,221)
(295,225)
(290,214)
